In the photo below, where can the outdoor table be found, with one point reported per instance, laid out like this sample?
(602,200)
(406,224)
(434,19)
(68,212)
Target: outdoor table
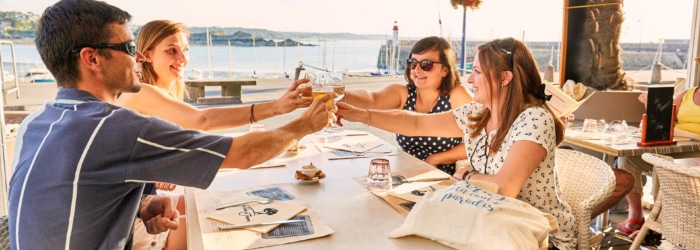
(612,151)
(230,90)
(360,219)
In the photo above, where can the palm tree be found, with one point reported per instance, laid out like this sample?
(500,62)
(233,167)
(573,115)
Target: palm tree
(595,52)
(472,4)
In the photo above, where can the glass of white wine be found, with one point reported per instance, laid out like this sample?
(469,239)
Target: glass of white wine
(324,85)
(305,88)
(339,89)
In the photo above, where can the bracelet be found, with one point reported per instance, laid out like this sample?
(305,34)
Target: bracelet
(464,175)
(468,174)
(369,118)
(252,118)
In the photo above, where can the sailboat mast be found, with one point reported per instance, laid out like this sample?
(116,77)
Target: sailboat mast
(439,18)
(209,54)
(230,61)
(254,73)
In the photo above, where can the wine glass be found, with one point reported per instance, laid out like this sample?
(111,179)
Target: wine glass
(321,87)
(336,81)
(305,88)
(618,132)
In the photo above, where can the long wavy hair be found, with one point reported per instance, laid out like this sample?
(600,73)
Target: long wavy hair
(447,59)
(152,34)
(520,95)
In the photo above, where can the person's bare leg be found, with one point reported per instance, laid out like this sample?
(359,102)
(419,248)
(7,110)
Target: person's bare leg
(635,210)
(181,204)
(623,184)
(177,239)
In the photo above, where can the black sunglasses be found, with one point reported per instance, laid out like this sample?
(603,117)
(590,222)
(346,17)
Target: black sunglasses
(506,45)
(425,65)
(126,47)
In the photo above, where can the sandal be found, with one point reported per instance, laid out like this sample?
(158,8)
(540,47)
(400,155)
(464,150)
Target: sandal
(631,225)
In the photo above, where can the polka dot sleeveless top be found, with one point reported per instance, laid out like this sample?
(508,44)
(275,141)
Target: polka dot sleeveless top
(421,146)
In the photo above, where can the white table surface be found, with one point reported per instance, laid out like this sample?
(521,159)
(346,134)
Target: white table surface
(360,219)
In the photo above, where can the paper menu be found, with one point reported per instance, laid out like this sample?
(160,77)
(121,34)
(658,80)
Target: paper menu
(354,145)
(562,104)
(256,213)
(214,238)
(346,147)
(415,191)
(433,174)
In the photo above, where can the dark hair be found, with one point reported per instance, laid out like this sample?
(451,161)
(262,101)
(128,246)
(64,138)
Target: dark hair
(447,59)
(521,93)
(70,24)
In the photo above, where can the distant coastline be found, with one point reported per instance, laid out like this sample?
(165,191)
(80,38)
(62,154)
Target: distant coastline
(635,56)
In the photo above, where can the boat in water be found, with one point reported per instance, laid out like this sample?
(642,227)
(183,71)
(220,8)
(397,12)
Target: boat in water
(37,70)
(39,74)
(38,78)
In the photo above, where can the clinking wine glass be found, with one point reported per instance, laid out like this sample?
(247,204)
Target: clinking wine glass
(339,89)
(328,83)
(305,88)
(321,87)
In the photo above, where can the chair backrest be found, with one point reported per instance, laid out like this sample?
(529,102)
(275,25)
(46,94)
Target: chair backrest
(584,182)
(679,193)
(597,106)
(4,233)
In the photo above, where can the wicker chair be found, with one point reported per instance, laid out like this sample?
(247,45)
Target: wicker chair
(675,213)
(584,182)
(4,233)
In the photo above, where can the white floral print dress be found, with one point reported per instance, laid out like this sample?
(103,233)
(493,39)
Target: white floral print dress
(533,124)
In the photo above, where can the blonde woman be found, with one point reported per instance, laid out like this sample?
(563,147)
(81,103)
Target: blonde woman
(166,48)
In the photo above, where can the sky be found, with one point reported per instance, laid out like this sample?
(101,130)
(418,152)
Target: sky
(533,20)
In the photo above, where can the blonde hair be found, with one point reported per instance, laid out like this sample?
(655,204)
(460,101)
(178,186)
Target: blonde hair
(152,34)
(520,95)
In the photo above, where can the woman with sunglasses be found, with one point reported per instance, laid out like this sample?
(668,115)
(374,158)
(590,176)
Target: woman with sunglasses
(165,46)
(510,133)
(433,87)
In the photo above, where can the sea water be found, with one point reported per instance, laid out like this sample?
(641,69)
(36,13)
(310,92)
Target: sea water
(348,56)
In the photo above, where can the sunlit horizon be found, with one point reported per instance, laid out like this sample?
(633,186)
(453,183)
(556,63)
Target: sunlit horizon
(537,20)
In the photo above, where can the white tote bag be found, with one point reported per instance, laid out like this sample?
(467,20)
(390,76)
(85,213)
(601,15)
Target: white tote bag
(465,216)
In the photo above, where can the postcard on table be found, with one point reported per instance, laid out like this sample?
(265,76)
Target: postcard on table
(257,213)
(355,147)
(249,238)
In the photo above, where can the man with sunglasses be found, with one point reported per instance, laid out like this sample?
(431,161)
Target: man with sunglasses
(81,162)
